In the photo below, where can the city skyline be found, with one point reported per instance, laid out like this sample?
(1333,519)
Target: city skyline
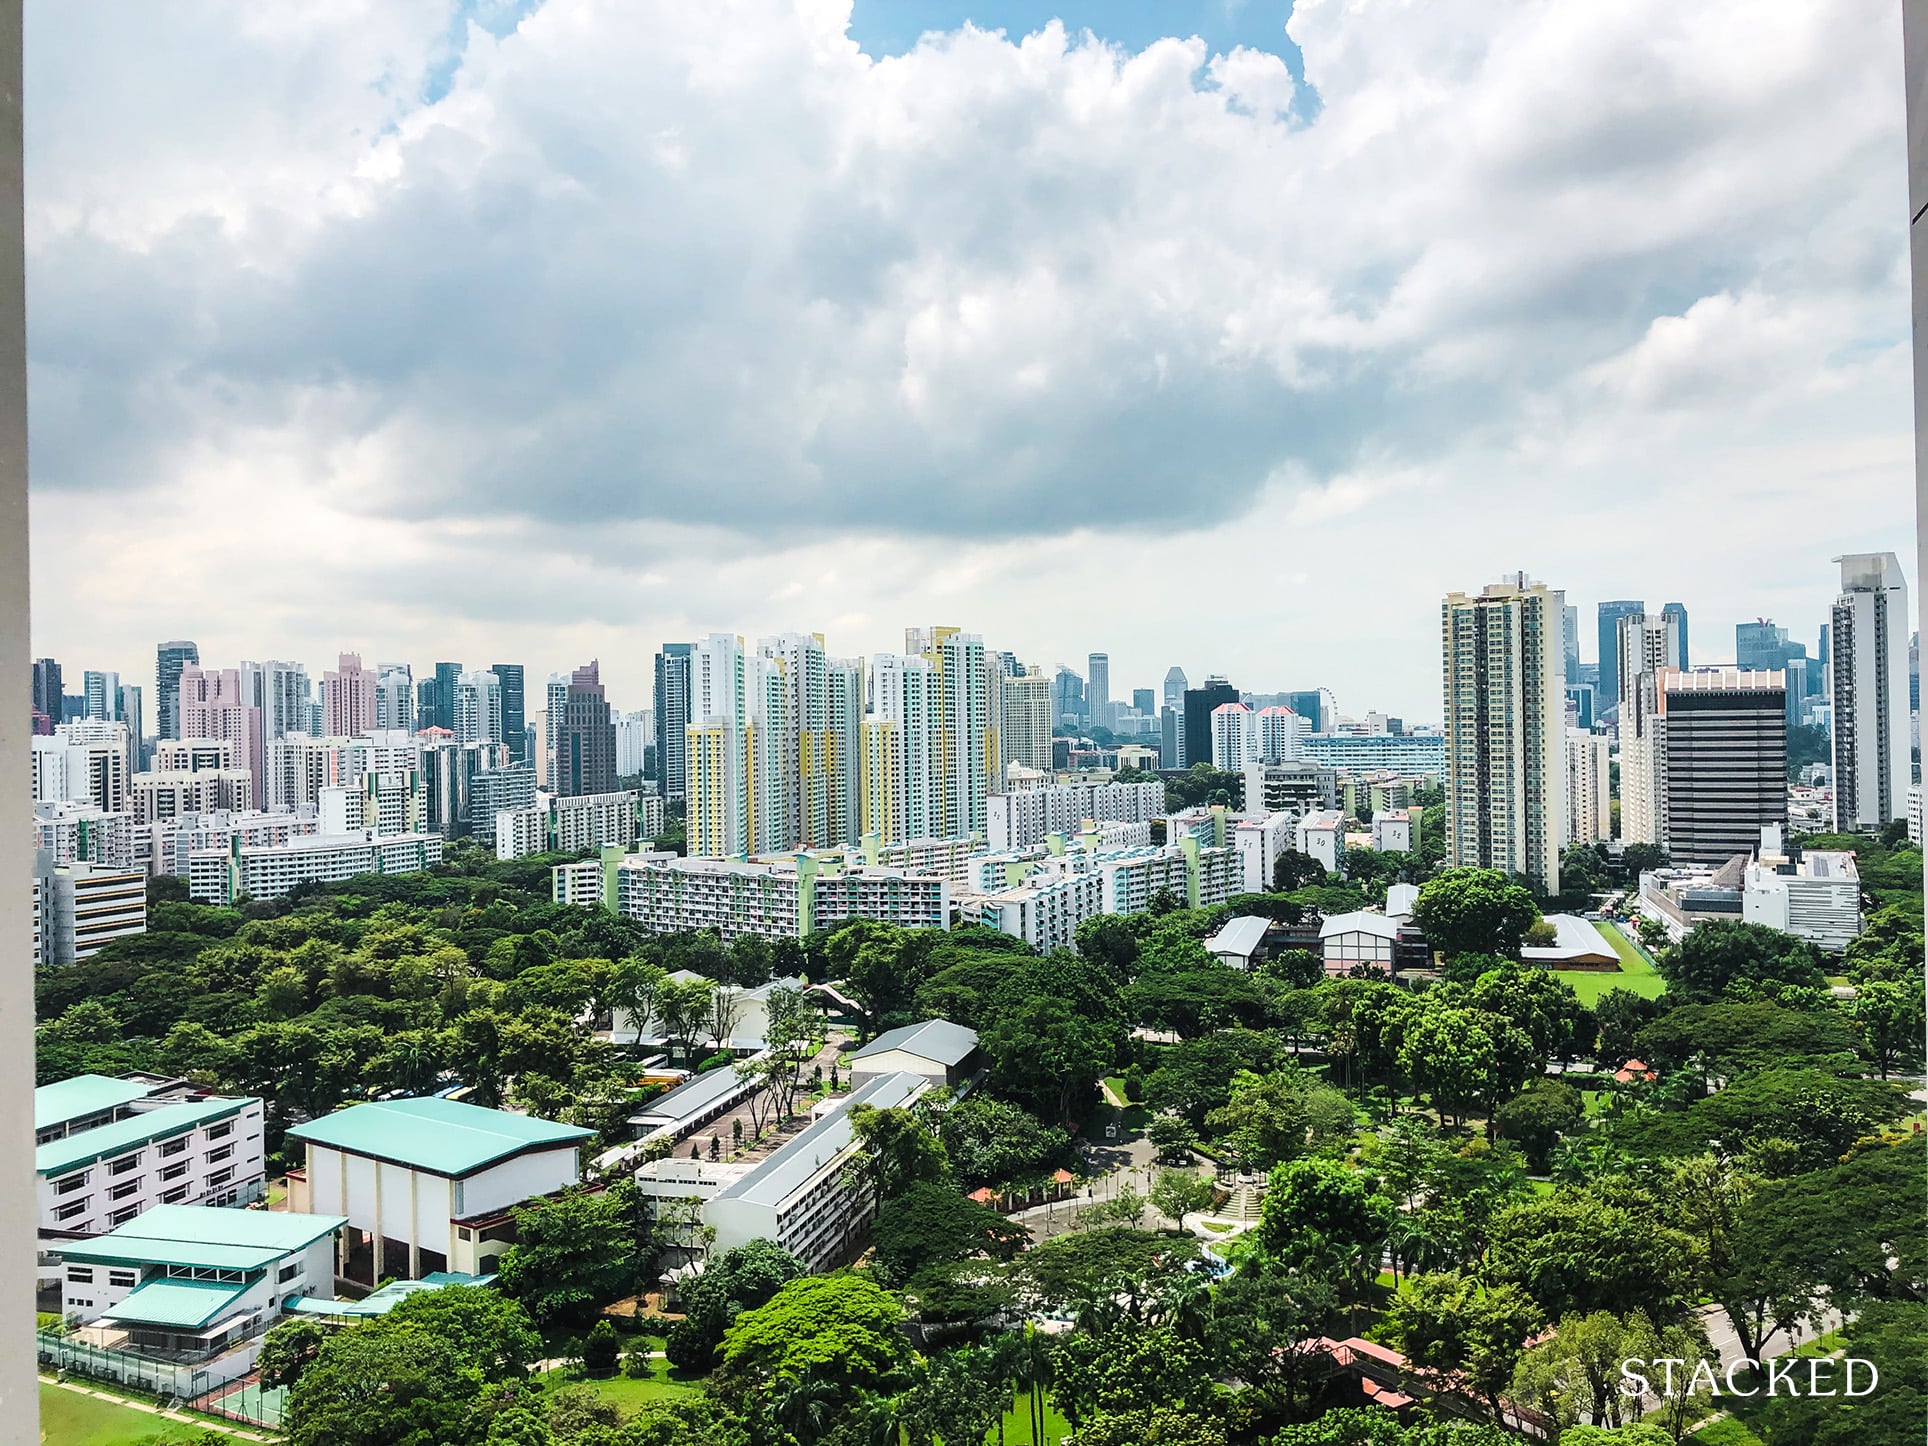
(950,398)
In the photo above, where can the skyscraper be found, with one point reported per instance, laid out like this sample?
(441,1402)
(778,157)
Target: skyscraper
(1723,737)
(394,697)
(515,719)
(478,712)
(672,707)
(1760,646)
(900,750)
(584,738)
(1645,643)
(968,759)
(46,689)
(129,712)
(1501,659)
(1067,699)
(1145,701)
(1175,684)
(217,703)
(1098,689)
(347,698)
(102,691)
(1869,627)
(1213,693)
(1606,690)
(169,659)
(442,699)
(1589,798)
(1678,612)
(1026,720)
(1570,640)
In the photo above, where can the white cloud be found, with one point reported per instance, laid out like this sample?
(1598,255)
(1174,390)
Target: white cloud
(661,317)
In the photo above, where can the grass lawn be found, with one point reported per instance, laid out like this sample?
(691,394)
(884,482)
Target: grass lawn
(1017,1424)
(68,1418)
(1636,972)
(627,1393)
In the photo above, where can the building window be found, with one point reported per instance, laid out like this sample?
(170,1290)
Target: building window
(124,1164)
(288,1273)
(174,1172)
(220,1131)
(219,1178)
(173,1147)
(73,1183)
(71,1209)
(123,1278)
(121,1217)
(216,1156)
(123,1190)
(174,1197)
(80,1274)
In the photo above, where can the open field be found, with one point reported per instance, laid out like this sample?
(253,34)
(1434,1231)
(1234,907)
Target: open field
(1636,972)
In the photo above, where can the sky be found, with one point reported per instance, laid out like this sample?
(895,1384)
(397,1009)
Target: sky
(1226,335)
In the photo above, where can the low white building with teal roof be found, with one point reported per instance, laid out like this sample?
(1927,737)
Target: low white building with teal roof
(428,1185)
(108,1150)
(191,1281)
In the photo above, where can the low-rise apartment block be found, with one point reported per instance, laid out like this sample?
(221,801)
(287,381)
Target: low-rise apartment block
(269,871)
(106,1150)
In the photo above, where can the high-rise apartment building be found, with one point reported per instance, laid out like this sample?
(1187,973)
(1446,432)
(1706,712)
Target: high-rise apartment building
(1678,612)
(1505,752)
(169,659)
(478,709)
(394,697)
(1589,796)
(347,698)
(582,737)
(131,712)
(1280,732)
(435,697)
(515,718)
(1025,722)
(1869,627)
(1235,737)
(969,758)
(672,709)
(217,703)
(282,693)
(1722,735)
(1606,690)
(1644,648)
(1200,702)
(901,742)
(1570,640)
(1098,689)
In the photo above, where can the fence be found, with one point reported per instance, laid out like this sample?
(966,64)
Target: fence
(222,1387)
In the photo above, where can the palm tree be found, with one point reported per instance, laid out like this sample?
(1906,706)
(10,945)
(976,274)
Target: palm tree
(805,1406)
(1031,1368)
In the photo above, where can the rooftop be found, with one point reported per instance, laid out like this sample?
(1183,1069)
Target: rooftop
(180,1304)
(1362,921)
(1241,936)
(56,1157)
(776,1179)
(282,1230)
(1574,938)
(690,1098)
(442,1137)
(83,1095)
(934,1039)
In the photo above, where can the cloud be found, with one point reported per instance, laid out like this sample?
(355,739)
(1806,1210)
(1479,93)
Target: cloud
(569,323)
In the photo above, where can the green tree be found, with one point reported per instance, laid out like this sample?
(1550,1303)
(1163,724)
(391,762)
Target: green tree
(1890,1019)
(931,1224)
(840,1334)
(488,1329)
(1048,1056)
(990,1142)
(289,1349)
(1537,1117)
(573,1255)
(1464,1059)
(380,1387)
(1276,1117)
(601,1349)
(1736,960)
(1178,1193)
(1467,1335)
(896,1149)
(1575,1253)
(1575,1375)
(741,1278)
(1474,911)
(1267,1324)
(1328,1214)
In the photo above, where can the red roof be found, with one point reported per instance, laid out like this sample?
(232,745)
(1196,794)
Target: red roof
(1064,1177)
(984,1195)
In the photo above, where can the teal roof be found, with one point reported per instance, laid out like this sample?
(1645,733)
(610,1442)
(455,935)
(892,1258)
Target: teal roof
(205,1236)
(278,1230)
(107,1250)
(83,1095)
(382,1301)
(442,1137)
(57,1157)
(181,1304)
